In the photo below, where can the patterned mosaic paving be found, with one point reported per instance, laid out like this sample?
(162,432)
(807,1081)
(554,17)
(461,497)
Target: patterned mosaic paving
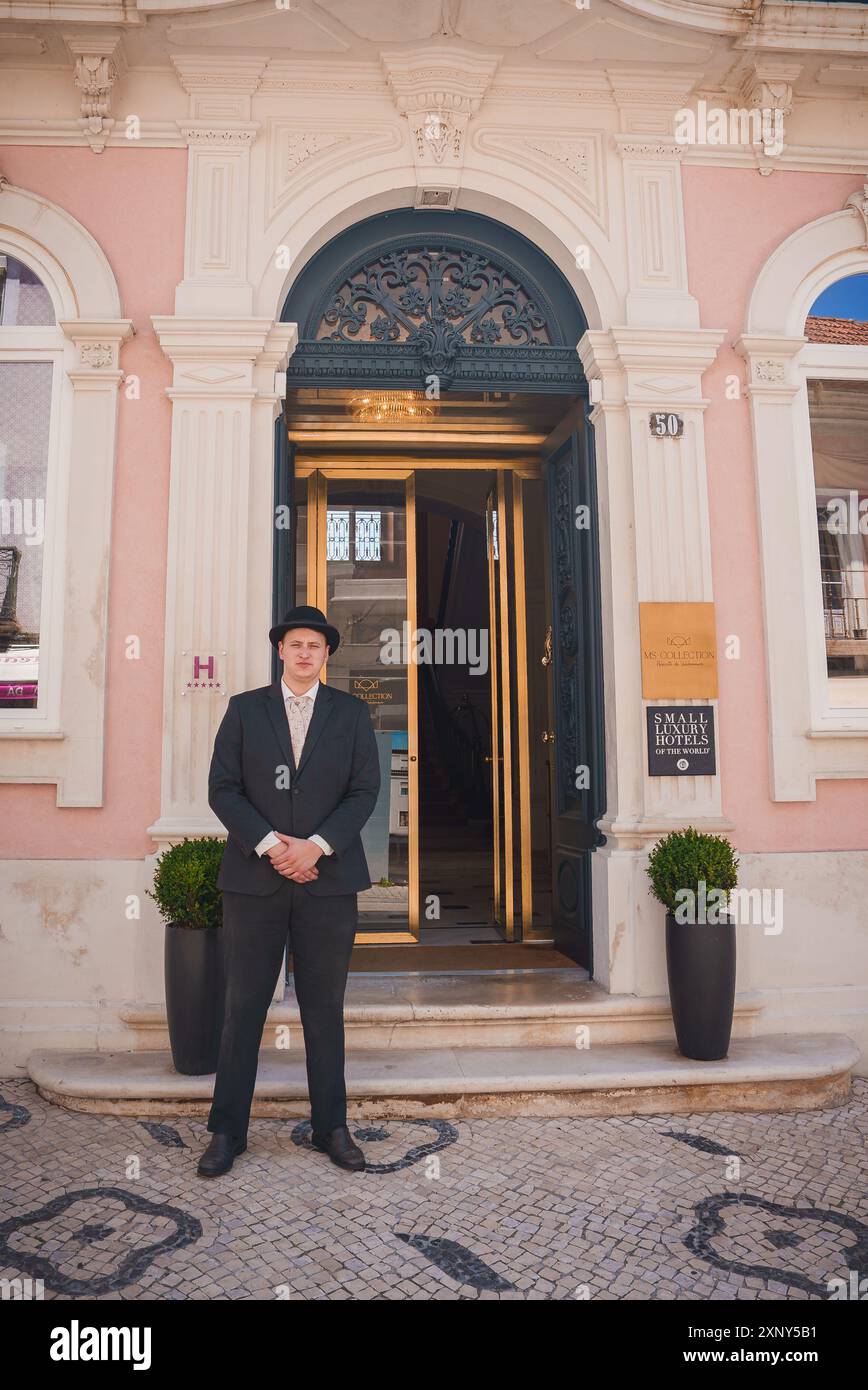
(701,1207)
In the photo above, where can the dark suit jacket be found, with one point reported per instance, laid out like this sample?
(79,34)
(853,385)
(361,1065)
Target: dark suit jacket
(254,786)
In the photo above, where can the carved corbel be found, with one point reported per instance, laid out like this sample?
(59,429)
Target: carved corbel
(859,203)
(99,63)
(768,88)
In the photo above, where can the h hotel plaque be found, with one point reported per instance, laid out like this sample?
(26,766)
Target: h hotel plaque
(679,652)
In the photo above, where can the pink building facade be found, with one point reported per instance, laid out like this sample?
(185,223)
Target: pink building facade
(167,219)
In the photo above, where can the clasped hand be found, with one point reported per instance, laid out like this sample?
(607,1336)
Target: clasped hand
(295,858)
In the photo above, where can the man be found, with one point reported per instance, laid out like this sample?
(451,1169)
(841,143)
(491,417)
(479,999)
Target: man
(294,777)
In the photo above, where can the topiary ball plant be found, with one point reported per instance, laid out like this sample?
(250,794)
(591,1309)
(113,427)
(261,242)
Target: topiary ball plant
(185,883)
(685,859)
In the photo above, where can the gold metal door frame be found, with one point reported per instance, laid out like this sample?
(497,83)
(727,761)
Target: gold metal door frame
(317,592)
(510,712)
(507,655)
(492,528)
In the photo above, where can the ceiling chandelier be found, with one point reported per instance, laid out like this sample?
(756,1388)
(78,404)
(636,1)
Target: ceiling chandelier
(392,407)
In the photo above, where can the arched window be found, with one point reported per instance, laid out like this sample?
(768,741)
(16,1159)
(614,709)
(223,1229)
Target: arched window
(30,355)
(24,300)
(840,313)
(838,408)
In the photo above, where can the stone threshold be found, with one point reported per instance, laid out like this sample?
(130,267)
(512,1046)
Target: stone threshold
(778,1072)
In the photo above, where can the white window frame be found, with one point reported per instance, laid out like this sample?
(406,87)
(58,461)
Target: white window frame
(831,362)
(62,740)
(32,344)
(809,738)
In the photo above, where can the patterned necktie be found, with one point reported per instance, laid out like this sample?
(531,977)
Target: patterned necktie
(300,711)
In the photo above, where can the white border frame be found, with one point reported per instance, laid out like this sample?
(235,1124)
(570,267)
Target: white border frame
(44,344)
(62,740)
(809,738)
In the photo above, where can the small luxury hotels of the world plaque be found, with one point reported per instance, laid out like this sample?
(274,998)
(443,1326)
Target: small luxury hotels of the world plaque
(681,740)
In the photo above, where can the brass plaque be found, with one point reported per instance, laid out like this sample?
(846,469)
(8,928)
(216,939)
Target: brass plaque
(679,651)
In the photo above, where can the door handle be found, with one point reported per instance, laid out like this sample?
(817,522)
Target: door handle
(546,658)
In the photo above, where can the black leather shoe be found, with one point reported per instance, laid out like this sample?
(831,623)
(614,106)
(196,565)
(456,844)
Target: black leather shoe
(340,1149)
(220,1155)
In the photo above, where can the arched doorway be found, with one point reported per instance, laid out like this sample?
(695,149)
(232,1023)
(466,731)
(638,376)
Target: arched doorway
(434,467)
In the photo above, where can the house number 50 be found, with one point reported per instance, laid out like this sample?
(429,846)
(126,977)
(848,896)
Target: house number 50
(665,424)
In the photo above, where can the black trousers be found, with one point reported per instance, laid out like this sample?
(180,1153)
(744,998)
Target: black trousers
(320,933)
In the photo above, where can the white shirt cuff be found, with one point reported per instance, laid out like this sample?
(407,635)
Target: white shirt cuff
(323,844)
(267,842)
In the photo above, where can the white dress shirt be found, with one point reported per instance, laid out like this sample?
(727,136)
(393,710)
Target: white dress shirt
(271,839)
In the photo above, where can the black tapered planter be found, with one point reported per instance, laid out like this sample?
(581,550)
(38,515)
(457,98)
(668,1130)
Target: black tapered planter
(194,997)
(700,963)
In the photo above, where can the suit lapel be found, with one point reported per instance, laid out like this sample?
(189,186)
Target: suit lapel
(322,708)
(277,715)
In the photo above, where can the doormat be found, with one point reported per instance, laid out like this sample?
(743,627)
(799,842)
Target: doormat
(496,956)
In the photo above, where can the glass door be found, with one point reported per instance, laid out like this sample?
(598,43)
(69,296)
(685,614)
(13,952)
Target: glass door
(356,544)
(510,754)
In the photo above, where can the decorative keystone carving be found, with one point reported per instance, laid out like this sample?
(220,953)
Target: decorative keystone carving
(438,87)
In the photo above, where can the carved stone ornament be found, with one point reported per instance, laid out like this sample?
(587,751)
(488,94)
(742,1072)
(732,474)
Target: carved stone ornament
(768,370)
(859,203)
(302,145)
(96,354)
(438,87)
(573,154)
(649,149)
(236,136)
(95,76)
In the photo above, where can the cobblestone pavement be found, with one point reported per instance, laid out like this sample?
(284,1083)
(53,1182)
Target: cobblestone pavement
(698,1207)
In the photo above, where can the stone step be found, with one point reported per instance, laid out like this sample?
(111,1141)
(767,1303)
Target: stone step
(775,1072)
(498,1008)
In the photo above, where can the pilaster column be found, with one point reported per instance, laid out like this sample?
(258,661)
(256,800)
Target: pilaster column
(791,590)
(218,593)
(95,375)
(655,546)
(219,133)
(656,254)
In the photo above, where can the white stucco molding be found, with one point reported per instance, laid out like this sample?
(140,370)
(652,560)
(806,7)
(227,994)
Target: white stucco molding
(809,737)
(531,204)
(655,546)
(62,741)
(773,26)
(656,242)
(219,134)
(70,263)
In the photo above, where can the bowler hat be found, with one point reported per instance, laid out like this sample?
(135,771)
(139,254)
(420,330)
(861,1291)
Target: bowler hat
(306,616)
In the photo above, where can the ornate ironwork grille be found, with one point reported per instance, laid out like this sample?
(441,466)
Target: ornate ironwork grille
(434,309)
